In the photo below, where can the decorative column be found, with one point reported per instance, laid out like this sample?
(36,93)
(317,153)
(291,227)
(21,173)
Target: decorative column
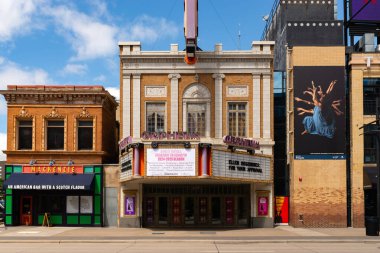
(136,105)
(126,105)
(204,161)
(174,101)
(267,99)
(136,160)
(218,105)
(256,117)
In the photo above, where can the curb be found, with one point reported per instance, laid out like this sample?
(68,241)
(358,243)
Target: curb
(236,241)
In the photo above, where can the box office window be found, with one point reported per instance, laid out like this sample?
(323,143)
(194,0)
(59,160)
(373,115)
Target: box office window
(237,119)
(25,134)
(85,135)
(155,117)
(55,134)
(196,118)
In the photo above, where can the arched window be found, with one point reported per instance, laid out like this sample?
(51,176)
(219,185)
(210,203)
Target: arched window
(196,110)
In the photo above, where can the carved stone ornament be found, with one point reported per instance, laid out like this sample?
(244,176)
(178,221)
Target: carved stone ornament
(24,114)
(155,91)
(197,91)
(237,91)
(54,114)
(84,114)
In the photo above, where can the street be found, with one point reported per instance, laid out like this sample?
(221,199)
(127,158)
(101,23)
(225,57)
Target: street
(190,246)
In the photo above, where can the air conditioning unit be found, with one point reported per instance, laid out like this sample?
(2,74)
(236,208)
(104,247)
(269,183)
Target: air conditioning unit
(366,43)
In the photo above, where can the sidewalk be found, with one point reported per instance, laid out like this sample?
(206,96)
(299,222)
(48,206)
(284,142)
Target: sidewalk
(277,234)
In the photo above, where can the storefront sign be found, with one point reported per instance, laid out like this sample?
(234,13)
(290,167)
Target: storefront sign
(46,187)
(171,162)
(46,169)
(169,136)
(241,142)
(126,165)
(130,205)
(243,166)
(124,142)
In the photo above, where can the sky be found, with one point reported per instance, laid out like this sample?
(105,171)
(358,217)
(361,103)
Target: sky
(76,41)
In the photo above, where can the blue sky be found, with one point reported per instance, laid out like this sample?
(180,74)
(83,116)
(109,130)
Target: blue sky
(75,41)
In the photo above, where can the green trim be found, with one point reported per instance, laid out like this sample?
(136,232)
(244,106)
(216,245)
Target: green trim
(88,169)
(8,205)
(8,169)
(97,200)
(98,169)
(85,220)
(72,220)
(40,219)
(98,184)
(7,176)
(56,219)
(8,191)
(97,220)
(8,220)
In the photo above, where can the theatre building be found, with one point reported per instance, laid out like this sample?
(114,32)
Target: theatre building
(58,139)
(196,145)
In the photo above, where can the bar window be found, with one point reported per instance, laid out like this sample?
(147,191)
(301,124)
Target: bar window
(196,119)
(155,117)
(85,135)
(237,121)
(25,134)
(55,134)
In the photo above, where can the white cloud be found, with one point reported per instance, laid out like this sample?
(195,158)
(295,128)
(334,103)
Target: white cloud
(150,29)
(3,146)
(76,69)
(11,73)
(101,78)
(114,92)
(16,17)
(89,38)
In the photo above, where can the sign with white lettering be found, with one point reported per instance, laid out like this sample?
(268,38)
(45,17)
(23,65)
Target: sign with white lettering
(170,136)
(243,166)
(126,165)
(171,162)
(46,187)
(241,142)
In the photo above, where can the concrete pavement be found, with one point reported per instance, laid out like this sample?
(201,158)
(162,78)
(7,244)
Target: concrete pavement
(90,234)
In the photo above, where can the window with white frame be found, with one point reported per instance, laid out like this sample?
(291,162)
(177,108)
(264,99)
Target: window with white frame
(155,117)
(237,119)
(196,118)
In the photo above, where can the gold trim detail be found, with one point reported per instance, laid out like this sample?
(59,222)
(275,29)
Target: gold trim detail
(23,114)
(54,114)
(84,114)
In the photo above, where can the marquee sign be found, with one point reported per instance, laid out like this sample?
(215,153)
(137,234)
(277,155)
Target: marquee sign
(171,162)
(58,169)
(241,142)
(124,142)
(126,165)
(170,136)
(241,166)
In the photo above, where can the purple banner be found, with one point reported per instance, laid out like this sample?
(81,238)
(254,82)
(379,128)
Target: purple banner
(370,13)
(130,205)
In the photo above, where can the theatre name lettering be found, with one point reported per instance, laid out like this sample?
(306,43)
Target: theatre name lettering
(241,142)
(244,166)
(167,136)
(46,169)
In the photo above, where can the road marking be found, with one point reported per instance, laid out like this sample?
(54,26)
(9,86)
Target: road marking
(28,232)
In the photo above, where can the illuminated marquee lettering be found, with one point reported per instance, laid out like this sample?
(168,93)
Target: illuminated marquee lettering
(241,142)
(46,169)
(170,136)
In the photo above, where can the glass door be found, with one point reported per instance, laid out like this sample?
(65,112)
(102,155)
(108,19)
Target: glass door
(215,210)
(189,211)
(162,210)
(149,211)
(203,210)
(26,210)
(176,210)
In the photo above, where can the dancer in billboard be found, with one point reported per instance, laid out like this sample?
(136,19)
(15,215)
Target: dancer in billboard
(322,122)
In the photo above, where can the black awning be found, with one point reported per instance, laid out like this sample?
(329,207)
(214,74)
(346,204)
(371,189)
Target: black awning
(18,181)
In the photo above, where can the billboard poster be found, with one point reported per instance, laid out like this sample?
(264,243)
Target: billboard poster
(262,206)
(319,113)
(130,205)
(282,210)
(369,13)
(170,162)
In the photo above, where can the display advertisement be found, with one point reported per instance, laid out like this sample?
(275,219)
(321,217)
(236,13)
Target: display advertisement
(56,169)
(130,205)
(369,13)
(86,204)
(262,206)
(171,162)
(282,210)
(72,204)
(319,113)
(242,166)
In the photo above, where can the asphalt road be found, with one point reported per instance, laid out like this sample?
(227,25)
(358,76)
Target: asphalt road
(190,246)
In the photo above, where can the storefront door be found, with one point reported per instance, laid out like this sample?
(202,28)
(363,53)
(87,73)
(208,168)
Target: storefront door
(26,210)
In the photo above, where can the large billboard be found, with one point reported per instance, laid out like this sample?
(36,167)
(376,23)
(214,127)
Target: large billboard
(369,13)
(319,113)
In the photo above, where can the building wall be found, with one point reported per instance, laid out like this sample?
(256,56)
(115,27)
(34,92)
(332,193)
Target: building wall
(359,71)
(317,187)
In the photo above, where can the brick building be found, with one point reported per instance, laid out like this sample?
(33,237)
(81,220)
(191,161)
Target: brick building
(59,137)
(177,170)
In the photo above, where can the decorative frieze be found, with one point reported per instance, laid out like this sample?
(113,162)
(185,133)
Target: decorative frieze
(237,91)
(155,91)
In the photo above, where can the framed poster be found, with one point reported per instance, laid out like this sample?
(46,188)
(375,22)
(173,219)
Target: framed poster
(72,204)
(85,204)
(130,205)
(262,206)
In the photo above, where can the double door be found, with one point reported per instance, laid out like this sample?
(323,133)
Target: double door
(192,211)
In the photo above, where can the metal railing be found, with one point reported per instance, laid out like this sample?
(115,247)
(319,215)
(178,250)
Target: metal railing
(270,19)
